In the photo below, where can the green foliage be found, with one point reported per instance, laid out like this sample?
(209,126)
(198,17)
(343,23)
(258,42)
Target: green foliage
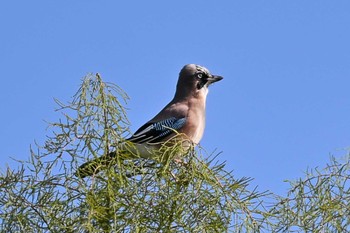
(193,193)
(165,194)
(318,203)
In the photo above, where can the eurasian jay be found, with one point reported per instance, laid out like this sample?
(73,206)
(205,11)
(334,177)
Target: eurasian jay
(184,116)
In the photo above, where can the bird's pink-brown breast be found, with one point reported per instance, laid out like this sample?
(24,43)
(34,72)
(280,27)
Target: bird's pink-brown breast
(195,126)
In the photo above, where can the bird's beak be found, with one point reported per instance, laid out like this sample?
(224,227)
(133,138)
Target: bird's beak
(214,78)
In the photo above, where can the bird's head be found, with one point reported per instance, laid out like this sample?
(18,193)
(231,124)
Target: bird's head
(195,79)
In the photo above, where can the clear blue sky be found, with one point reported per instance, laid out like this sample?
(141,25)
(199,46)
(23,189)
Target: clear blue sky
(283,106)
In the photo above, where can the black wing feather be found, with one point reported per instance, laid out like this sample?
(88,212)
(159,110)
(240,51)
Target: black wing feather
(154,132)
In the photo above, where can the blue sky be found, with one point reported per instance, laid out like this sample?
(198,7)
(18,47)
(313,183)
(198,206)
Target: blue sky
(282,107)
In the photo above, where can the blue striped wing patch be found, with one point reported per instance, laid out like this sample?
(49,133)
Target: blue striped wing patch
(154,132)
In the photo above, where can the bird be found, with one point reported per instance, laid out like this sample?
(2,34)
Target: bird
(183,117)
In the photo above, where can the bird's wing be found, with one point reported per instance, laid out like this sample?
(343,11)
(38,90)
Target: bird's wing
(154,132)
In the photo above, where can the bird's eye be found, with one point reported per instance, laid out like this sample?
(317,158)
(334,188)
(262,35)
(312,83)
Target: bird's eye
(199,75)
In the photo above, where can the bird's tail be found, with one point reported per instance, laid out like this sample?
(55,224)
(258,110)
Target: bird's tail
(171,149)
(96,165)
(124,151)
